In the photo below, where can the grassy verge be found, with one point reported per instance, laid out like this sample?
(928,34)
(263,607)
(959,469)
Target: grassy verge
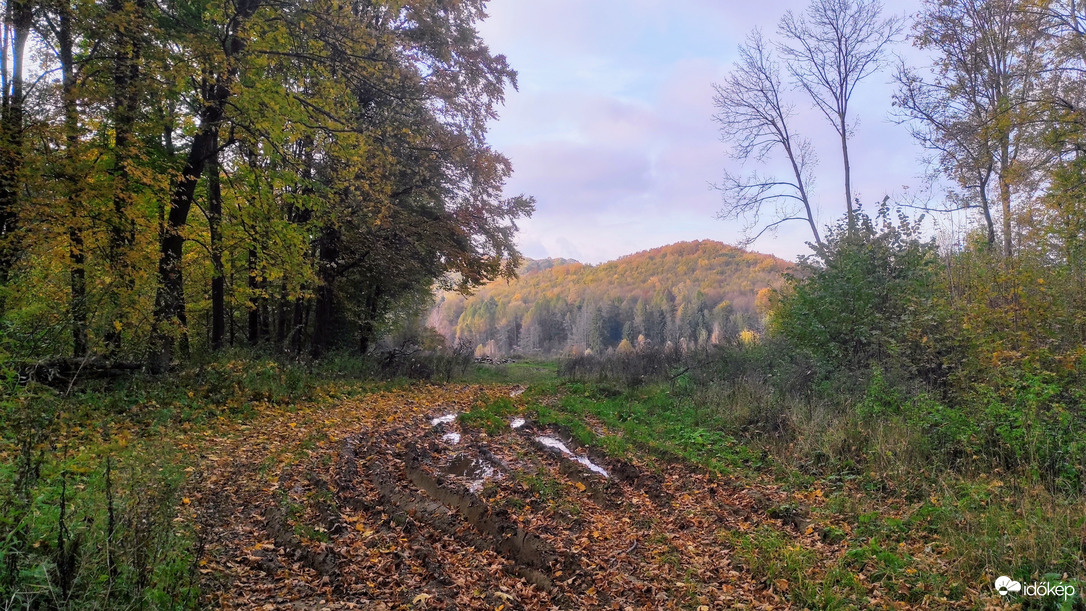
(886,531)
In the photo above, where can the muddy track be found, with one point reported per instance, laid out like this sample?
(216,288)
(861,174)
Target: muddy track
(397,513)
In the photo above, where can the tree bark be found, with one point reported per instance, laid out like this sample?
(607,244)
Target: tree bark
(843,129)
(218,278)
(71,184)
(19,16)
(1005,202)
(122,229)
(254,301)
(327,253)
(170,298)
(368,327)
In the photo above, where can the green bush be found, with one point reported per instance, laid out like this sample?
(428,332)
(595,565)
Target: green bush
(872,295)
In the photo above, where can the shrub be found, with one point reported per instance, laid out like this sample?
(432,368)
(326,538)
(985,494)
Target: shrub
(870,296)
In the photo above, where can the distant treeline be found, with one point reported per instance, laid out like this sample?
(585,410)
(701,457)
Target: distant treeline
(689,294)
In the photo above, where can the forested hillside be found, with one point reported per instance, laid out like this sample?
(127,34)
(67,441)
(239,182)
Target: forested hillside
(690,294)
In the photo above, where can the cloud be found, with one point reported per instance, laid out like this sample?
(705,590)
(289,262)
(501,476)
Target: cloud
(612,128)
(568,177)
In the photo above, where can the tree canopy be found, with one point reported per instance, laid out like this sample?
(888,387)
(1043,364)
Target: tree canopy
(244,171)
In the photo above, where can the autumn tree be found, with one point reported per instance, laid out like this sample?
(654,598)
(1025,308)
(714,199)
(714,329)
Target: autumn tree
(308,168)
(975,108)
(17,29)
(869,296)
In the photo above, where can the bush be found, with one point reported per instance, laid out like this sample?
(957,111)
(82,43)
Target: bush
(631,368)
(870,296)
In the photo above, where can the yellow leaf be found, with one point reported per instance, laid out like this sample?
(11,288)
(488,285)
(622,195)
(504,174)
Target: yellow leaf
(186,500)
(580,486)
(420,598)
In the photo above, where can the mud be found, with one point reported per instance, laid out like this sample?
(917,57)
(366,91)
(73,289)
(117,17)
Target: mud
(428,501)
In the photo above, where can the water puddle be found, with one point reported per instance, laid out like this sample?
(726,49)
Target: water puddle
(477,470)
(447,418)
(452,438)
(517,423)
(551,442)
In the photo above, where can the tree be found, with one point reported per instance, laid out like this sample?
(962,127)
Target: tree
(311,166)
(974,109)
(18,19)
(829,50)
(755,121)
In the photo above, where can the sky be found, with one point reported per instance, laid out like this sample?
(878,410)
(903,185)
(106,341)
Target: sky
(611,129)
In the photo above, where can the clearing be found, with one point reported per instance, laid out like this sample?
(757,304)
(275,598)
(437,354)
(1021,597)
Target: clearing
(488,497)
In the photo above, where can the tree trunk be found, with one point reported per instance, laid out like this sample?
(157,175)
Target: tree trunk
(170,297)
(843,127)
(802,187)
(298,326)
(367,329)
(254,301)
(218,278)
(986,209)
(281,318)
(122,230)
(327,253)
(19,16)
(1005,203)
(72,185)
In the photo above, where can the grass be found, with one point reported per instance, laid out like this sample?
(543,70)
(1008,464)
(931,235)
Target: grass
(651,419)
(916,533)
(92,483)
(913,518)
(520,372)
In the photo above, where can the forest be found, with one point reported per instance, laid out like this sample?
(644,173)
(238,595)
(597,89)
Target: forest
(691,295)
(268,339)
(181,177)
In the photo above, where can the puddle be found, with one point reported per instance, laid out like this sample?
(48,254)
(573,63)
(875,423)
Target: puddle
(453,438)
(517,423)
(447,418)
(551,442)
(475,469)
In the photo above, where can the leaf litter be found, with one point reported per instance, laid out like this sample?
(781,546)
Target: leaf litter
(361,505)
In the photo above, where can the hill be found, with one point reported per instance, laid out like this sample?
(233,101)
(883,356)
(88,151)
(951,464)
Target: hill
(689,293)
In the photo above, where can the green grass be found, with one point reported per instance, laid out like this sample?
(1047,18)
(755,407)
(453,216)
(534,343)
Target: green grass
(520,372)
(923,535)
(647,420)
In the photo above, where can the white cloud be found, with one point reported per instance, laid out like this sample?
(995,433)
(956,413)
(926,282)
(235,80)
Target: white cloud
(612,129)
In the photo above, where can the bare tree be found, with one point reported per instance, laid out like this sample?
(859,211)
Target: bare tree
(754,121)
(973,109)
(833,46)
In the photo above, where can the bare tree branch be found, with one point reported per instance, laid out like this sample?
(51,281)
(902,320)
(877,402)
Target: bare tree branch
(754,122)
(833,46)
